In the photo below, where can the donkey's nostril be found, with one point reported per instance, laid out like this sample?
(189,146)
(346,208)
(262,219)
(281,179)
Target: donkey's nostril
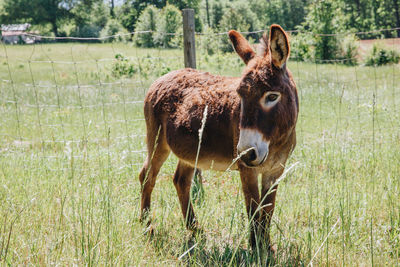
(252,155)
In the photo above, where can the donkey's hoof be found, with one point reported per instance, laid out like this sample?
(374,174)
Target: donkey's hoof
(193,225)
(149,230)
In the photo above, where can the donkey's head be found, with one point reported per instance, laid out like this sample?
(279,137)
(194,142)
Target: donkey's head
(269,103)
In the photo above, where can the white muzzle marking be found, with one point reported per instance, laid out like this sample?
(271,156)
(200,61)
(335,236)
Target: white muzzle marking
(252,138)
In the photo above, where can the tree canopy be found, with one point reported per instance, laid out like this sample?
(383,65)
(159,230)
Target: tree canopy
(53,12)
(89,17)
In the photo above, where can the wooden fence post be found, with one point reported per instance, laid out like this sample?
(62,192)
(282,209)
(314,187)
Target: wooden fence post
(189,48)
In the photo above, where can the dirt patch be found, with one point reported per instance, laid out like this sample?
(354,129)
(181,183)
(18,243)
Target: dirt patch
(366,45)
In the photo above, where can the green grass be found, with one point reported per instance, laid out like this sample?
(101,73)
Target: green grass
(70,157)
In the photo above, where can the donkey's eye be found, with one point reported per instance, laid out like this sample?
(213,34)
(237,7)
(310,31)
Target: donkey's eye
(272,97)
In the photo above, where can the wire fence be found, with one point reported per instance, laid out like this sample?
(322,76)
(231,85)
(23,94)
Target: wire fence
(84,101)
(203,33)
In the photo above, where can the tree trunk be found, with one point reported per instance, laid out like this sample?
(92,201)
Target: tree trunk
(54,27)
(208,14)
(396,13)
(358,7)
(112,14)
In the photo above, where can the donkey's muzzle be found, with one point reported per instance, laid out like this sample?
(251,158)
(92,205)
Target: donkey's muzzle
(252,148)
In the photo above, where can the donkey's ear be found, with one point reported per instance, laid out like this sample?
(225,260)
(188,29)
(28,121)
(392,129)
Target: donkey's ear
(278,45)
(242,47)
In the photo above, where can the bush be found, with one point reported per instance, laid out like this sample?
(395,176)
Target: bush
(380,55)
(348,50)
(177,39)
(300,47)
(115,29)
(146,22)
(169,22)
(122,67)
(208,43)
(145,66)
(87,31)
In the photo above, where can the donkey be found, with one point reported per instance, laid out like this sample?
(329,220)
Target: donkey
(253,116)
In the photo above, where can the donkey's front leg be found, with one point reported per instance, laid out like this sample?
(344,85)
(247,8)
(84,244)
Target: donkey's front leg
(268,194)
(249,179)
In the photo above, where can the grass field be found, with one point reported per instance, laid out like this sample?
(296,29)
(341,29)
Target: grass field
(72,143)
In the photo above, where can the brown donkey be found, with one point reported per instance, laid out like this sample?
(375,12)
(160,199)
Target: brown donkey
(254,115)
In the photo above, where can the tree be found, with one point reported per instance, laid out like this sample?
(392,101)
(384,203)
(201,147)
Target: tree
(195,4)
(396,5)
(89,23)
(217,12)
(208,13)
(367,15)
(238,16)
(53,12)
(112,14)
(387,15)
(127,16)
(170,21)
(324,18)
(147,22)
(131,9)
(114,31)
(288,14)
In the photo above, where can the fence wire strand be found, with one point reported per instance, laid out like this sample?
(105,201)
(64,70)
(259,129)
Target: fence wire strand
(82,113)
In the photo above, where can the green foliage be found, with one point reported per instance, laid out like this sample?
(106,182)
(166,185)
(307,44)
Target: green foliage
(195,4)
(84,18)
(147,22)
(366,15)
(147,66)
(97,15)
(127,16)
(122,67)
(114,27)
(207,43)
(348,50)
(55,12)
(217,12)
(380,55)
(87,31)
(238,16)
(89,23)
(130,11)
(170,22)
(300,47)
(288,14)
(177,39)
(324,18)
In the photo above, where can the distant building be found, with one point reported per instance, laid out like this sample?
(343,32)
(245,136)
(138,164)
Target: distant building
(17,33)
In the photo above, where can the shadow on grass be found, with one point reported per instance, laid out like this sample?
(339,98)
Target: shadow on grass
(194,251)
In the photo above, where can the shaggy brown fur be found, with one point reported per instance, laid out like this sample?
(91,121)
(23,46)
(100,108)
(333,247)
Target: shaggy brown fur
(174,107)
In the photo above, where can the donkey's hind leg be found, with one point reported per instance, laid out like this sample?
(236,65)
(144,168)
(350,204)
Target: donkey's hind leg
(182,181)
(158,151)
